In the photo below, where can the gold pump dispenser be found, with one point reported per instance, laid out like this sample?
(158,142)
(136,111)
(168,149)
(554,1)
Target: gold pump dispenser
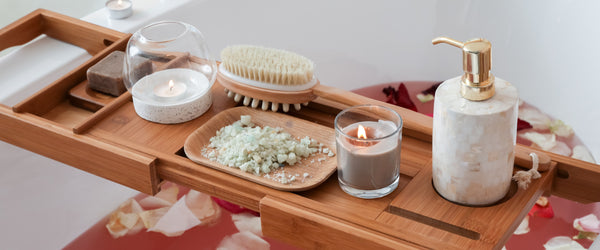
(477,81)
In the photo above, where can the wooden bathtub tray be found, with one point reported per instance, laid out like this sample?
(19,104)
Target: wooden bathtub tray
(114,143)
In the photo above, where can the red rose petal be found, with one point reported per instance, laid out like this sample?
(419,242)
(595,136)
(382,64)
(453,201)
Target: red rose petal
(522,124)
(403,99)
(431,90)
(544,212)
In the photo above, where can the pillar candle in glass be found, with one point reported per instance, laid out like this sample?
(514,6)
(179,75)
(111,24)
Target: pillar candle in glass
(368,139)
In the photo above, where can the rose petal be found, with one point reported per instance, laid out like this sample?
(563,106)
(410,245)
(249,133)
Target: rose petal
(424,98)
(561,148)
(542,211)
(559,128)
(521,124)
(588,223)
(523,227)
(581,153)
(534,117)
(562,242)
(151,217)
(244,240)
(403,98)
(543,141)
(399,97)
(542,201)
(166,197)
(247,222)
(177,220)
(124,219)
(431,90)
(585,235)
(202,207)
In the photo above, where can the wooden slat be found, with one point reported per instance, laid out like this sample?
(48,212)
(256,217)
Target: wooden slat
(22,30)
(130,168)
(311,229)
(99,115)
(91,37)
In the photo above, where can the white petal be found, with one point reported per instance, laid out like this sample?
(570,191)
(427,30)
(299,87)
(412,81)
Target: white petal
(177,220)
(544,141)
(247,222)
(523,227)
(561,148)
(562,242)
(588,223)
(559,128)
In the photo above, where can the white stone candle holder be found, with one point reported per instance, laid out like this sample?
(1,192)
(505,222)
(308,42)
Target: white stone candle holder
(188,97)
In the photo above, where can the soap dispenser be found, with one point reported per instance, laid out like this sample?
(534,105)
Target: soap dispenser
(474,130)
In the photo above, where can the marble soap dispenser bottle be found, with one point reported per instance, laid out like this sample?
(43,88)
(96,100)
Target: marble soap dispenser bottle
(474,130)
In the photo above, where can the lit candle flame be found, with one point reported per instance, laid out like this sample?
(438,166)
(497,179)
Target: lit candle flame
(171,85)
(361,134)
(120,2)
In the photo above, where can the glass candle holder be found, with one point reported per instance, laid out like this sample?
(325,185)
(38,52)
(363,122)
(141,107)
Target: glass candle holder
(169,71)
(368,139)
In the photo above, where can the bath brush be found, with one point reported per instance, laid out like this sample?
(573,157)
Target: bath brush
(267,78)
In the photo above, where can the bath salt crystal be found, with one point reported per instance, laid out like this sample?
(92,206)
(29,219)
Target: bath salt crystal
(258,150)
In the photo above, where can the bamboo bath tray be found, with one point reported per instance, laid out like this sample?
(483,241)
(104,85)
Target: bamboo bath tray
(116,144)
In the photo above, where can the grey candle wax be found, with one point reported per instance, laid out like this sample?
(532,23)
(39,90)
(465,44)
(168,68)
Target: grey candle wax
(369,164)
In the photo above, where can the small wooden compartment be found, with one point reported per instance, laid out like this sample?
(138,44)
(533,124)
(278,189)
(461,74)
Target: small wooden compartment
(115,143)
(66,102)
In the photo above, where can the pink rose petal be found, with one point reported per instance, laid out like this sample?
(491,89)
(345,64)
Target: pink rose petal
(588,223)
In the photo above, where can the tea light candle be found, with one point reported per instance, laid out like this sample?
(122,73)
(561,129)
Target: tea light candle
(368,155)
(170,90)
(119,9)
(172,95)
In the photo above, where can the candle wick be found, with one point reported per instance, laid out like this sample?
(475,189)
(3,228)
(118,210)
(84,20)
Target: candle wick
(170,88)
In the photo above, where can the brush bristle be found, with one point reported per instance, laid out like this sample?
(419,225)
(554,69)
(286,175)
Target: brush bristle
(267,65)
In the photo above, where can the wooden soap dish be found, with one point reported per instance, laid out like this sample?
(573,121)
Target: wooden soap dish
(317,168)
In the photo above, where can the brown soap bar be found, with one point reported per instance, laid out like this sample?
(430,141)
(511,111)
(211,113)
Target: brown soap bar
(106,76)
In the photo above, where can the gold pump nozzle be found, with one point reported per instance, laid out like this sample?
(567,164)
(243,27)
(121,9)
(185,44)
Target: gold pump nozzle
(477,81)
